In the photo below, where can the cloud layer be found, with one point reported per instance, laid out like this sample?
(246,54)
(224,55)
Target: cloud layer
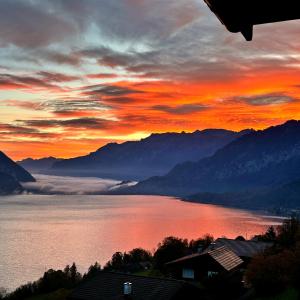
(77,74)
(47,184)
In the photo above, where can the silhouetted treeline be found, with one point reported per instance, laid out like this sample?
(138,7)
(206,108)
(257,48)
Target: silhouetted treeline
(52,280)
(279,267)
(130,262)
(169,249)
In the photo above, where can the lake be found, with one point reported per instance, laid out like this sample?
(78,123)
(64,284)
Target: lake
(42,232)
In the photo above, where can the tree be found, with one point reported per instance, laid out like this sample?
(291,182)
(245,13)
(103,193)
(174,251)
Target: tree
(75,276)
(171,248)
(116,262)
(94,270)
(132,261)
(3,293)
(270,235)
(267,274)
(139,255)
(201,243)
(279,267)
(289,233)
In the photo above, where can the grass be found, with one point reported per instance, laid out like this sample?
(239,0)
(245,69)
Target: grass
(57,295)
(150,273)
(289,294)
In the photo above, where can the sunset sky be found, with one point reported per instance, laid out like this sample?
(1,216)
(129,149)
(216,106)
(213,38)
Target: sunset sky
(75,75)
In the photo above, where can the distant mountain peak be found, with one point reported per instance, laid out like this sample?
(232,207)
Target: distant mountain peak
(254,160)
(153,155)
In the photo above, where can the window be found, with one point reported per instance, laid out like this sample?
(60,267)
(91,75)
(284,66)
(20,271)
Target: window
(188,273)
(211,274)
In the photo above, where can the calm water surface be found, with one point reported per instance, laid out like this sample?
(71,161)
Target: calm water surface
(42,232)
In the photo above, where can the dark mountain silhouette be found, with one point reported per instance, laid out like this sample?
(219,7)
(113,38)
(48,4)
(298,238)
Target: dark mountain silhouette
(259,159)
(151,156)
(9,167)
(285,196)
(38,165)
(9,185)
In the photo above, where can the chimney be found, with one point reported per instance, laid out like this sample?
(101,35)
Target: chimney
(127,289)
(213,246)
(200,249)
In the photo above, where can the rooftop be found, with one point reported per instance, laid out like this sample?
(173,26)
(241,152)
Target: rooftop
(240,16)
(222,255)
(109,286)
(241,248)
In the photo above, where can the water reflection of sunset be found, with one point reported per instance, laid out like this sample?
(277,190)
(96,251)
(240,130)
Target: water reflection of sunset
(85,229)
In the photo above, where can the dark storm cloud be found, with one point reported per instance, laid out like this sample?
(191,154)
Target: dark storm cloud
(61,106)
(109,90)
(265,99)
(14,129)
(180,109)
(26,82)
(71,58)
(119,100)
(41,79)
(10,130)
(28,24)
(135,120)
(79,123)
(109,57)
(39,23)
(131,20)
(74,105)
(180,40)
(57,77)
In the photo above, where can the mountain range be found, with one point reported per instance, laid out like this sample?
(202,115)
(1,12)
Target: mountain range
(38,165)
(138,160)
(250,169)
(264,160)
(284,196)
(11,174)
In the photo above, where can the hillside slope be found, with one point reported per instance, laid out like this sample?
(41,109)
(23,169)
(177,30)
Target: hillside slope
(9,185)
(9,167)
(259,159)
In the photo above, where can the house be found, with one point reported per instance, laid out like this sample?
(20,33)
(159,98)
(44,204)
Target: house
(199,266)
(245,250)
(114,286)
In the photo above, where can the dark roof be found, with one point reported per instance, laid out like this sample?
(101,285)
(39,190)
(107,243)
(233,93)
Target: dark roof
(241,15)
(222,255)
(241,248)
(109,286)
(226,258)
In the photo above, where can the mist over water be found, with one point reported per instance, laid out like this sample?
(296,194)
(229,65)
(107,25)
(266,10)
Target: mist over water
(66,185)
(38,232)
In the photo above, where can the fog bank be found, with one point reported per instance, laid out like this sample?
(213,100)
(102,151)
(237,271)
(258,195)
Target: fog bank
(48,184)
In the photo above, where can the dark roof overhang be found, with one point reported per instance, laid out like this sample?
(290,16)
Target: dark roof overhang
(242,15)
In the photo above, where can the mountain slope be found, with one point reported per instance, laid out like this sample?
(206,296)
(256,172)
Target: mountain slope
(38,165)
(280,197)
(264,158)
(9,167)
(9,185)
(151,156)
